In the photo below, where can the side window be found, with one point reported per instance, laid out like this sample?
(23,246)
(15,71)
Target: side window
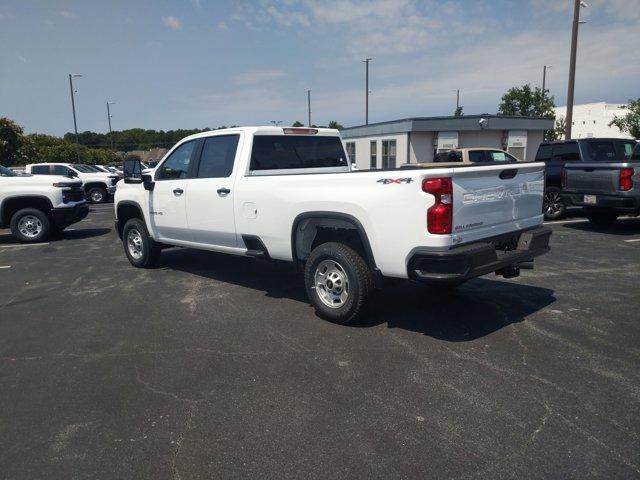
(351,151)
(374,153)
(566,152)
(177,165)
(218,154)
(501,157)
(40,169)
(60,170)
(544,153)
(388,154)
(476,156)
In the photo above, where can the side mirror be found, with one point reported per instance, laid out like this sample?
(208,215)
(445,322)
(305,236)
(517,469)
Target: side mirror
(132,170)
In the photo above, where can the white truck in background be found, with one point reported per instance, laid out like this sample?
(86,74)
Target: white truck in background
(98,186)
(289,194)
(34,207)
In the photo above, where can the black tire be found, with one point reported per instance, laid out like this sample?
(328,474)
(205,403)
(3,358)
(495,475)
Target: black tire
(602,219)
(346,269)
(97,195)
(30,225)
(552,205)
(135,231)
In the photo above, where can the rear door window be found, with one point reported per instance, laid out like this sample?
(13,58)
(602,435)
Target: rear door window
(283,152)
(40,169)
(60,170)
(218,155)
(566,152)
(477,156)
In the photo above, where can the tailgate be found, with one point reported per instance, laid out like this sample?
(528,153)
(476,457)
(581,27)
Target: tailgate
(496,199)
(593,177)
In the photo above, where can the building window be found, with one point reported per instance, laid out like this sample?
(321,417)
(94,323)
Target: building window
(374,154)
(351,151)
(388,154)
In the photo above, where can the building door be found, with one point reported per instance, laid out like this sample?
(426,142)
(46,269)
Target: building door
(388,154)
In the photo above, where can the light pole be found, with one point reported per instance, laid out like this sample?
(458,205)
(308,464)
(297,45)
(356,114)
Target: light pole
(572,66)
(73,102)
(544,77)
(109,120)
(366,92)
(309,106)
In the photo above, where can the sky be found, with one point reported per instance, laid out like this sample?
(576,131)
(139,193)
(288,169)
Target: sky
(205,63)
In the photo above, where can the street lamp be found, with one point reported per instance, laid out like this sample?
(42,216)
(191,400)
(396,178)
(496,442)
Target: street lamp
(544,77)
(572,65)
(73,101)
(109,120)
(366,91)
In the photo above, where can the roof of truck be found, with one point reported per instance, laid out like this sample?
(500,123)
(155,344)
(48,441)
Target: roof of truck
(267,130)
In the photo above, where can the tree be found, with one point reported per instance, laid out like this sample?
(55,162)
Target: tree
(458,112)
(630,122)
(297,123)
(557,132)
(13,145)
(524,101)
(336,125)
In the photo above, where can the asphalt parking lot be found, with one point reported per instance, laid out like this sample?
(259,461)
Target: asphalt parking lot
(213,366)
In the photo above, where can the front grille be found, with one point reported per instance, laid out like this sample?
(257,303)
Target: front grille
(75,194)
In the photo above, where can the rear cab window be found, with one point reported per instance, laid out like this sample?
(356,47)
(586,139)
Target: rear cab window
(609,150)
(296,152)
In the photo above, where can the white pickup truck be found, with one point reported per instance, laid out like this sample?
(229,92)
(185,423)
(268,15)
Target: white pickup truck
(34,206)
(289,194)
(98,186)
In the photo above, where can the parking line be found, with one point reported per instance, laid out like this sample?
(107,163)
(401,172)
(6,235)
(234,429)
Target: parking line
(24,245)
(633,240)
(566,221)
(5,266)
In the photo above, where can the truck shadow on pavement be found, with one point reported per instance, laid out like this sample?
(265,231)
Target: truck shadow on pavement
(473,310)
(77,234)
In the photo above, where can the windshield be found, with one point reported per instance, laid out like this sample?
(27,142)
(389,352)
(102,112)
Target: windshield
(7,172)
(82,168)
(609,150)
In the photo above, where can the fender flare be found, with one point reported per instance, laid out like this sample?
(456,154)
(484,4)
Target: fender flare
(130,203)
(335,216)
(23,197)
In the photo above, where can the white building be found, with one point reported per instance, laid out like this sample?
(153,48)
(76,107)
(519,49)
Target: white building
(417,140)
(592,120)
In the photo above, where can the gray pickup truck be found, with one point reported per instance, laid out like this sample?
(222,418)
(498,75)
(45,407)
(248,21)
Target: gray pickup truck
(606,189)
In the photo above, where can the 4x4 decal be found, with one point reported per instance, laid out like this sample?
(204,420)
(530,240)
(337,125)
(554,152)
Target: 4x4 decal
(387,181)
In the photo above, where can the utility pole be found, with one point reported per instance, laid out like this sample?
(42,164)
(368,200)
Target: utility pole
(457,100)
(366,95)
(309,106)
(572,66)
(544,77)
(73,102)
(109,120)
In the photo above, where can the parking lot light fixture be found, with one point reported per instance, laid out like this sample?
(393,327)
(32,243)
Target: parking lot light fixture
(109,121)
(572,65)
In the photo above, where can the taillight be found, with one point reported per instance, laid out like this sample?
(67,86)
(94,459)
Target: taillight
(563,178)
(625,183)
(440,215)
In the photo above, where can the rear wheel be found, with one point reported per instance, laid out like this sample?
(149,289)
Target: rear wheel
(141,250)
(30,225)
(97,195)
(552,205)
(338,282)
(602,219)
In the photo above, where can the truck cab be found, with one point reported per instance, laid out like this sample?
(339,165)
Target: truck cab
(98,186)
(34,206)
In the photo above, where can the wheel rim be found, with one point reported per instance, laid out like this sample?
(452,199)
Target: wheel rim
(30,226)
(134,244)
(331,283)
(552,203)
(96,196)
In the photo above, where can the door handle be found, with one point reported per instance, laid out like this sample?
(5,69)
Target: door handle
(508,173)
(178,191)
(224,191)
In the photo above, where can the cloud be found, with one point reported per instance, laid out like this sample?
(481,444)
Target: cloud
(172,22)
(222,25)
(68,15)
(256,77)
(21,58)
(196,3)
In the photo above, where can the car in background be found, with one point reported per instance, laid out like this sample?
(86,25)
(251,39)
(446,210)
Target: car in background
(98,186)
(479,155)
(556,155)
(605,189)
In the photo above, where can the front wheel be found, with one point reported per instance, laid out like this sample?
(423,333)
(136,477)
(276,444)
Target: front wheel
(97,195)
(30,225)
(338,282)
(141,250)
(552,205)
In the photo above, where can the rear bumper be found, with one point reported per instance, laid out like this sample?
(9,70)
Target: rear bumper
(474,260)
(65,216)
(614,202)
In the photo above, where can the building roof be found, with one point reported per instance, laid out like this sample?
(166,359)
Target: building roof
(449,123)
